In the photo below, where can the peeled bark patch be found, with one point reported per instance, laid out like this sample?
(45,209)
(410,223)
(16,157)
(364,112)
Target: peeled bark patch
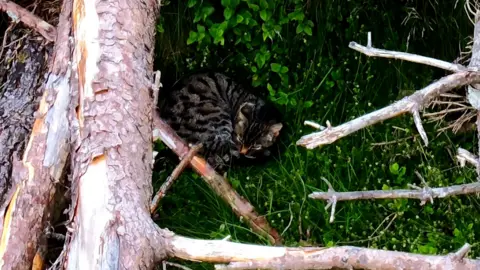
(112,166)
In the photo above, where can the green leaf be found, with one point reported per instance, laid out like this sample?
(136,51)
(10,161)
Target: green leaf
(191,3)
(253,7)
(239,18)
(276,67)
(271,91)
(260,60)
(207,11)
(457,233)
(263,4)
(226,3)
(200,28)
(296,15)
(192,37)
(228,12)
(394,168)
(308,30)
(254,69)
(293,102)
(263,15)
(282,98)
(299,29)
(283,20)
(284,70)
(308,104)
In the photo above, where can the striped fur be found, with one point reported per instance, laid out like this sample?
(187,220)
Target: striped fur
(230,122)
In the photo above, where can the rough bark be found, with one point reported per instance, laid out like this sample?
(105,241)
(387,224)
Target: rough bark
(29,202)
(112,144)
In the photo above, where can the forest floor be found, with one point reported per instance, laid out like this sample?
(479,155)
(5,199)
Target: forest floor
(331,82)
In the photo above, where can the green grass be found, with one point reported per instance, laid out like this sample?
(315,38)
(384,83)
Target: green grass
(343,85)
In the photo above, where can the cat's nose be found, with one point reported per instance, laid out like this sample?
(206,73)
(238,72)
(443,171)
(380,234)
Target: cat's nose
(244,150)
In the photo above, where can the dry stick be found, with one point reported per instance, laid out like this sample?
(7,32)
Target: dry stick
(185,161)
(245,256)
(18,13)
(415,58)
(464,156)
(423,195)
(220,186)
(411,104)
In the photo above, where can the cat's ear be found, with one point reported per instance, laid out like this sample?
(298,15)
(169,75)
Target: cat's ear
(275,129)
(243,118)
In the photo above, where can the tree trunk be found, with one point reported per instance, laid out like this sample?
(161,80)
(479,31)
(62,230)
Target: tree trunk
(112,136)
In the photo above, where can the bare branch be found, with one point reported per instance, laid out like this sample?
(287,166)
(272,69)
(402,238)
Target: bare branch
(374,52)
(175,174)
(422,194)
(219,185)
(313,124)
(18,13)
(406,104)
(418,124)
(462,252)
(244,256)
(465,156)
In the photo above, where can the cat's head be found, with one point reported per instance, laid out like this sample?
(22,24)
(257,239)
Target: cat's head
(257,127)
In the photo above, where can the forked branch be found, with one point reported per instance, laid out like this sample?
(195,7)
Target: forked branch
(410,104)
(220,186)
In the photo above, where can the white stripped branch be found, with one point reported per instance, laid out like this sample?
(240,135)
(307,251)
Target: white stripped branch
(423,194)
(464,156)
(244,256)
(414,58)
(410,104)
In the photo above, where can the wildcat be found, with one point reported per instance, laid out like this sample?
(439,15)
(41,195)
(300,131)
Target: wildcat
(212,109)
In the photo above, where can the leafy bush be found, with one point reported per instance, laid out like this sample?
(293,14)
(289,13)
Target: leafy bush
(296,53)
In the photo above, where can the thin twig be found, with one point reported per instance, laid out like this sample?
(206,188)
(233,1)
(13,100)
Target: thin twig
(217,183)
(314,125)
(374,52)
(423,194)
(175,174)
(18,13)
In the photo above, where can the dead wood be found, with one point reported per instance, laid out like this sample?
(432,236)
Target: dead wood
(217,183)
(17,13)
(111,137)
(35,175)
(243,256)
(185,161)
